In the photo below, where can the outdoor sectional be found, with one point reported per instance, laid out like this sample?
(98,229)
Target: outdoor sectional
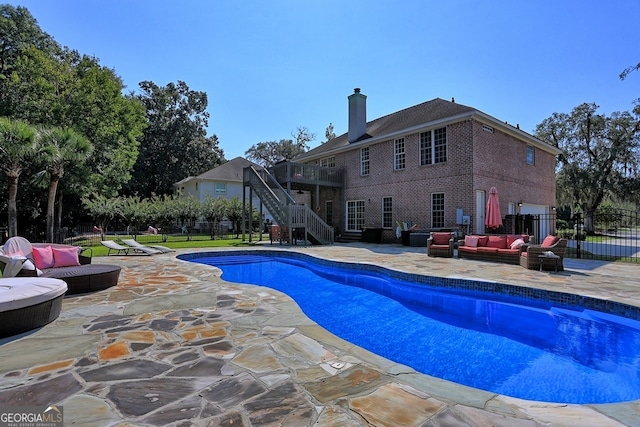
(498,248)
(80,275)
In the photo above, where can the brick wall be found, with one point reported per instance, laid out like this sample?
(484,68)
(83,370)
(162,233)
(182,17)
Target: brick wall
(476,160)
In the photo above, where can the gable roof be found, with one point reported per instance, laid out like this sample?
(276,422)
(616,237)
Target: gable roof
(229,171)
(410,120)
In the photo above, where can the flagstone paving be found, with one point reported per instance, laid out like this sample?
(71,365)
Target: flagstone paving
(173,344)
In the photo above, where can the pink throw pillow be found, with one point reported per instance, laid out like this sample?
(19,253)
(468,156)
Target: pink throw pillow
(43,257)
(65,257)
(516,243)
(549,241)
(471,241)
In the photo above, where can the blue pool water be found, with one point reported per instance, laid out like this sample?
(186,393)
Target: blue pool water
(514,346)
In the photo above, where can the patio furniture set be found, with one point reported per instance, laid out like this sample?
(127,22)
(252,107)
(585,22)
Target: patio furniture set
(36,277)
(511,249)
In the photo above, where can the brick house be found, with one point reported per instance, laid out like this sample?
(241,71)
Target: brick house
(433,165)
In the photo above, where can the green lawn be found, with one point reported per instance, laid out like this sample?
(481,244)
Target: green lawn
(174,242)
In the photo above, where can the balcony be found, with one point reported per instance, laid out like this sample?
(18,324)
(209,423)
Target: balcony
(301,175)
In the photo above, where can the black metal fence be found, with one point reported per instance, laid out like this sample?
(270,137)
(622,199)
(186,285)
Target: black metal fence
(89,235)
(609,234)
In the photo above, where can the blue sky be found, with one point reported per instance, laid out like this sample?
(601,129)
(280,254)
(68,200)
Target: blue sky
(269,67)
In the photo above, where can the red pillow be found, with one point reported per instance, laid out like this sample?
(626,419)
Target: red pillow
(441,238)
(499,242)
(65,257)
(549,241)
(43,257)
(482,241)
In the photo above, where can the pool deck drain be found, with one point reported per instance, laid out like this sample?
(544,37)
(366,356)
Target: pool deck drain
(173,344)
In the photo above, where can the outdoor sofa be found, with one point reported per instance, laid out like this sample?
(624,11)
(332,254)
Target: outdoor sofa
(504,248)
(72,264)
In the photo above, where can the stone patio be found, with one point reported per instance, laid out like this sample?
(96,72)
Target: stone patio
(173,344)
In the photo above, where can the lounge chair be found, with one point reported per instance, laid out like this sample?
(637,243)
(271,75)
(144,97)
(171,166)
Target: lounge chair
(134,244)
(138,247)
(113,246)
(440,244)
(530,257)
(71,264)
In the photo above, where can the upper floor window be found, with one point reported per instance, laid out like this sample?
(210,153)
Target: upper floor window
(398,154)
(531,155)
(364,161)
(433,146)
(387,212)
(221,188)
(329,162)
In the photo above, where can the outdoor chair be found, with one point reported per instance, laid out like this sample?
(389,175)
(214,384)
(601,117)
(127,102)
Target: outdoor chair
(531,255)
(135,244)
(138,247)
(113,246)
(440,244)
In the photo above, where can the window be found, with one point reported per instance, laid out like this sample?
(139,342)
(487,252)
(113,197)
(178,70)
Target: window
(221,188)
(355,215)
(531,155)
(437,210)
(433,146)
(387,212)
(329,212)
(329,162)
(364,161)
(440,145)
(398,154)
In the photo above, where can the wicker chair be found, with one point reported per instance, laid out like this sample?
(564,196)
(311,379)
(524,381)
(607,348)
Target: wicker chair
(440,244)
(530,257)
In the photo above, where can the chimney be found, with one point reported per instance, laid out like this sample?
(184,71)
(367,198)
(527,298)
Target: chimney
(357,115)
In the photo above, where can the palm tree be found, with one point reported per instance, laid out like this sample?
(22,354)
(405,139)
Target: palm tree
(17,146)
(62,148)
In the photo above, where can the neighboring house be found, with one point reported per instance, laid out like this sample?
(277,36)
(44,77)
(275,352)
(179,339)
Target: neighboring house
(222,181)
(433,165)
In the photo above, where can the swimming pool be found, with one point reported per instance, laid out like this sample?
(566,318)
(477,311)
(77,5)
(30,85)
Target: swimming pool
(515,341)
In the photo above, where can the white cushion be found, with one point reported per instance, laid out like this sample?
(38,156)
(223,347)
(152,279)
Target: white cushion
(20,292)
(13,264)
(517,243)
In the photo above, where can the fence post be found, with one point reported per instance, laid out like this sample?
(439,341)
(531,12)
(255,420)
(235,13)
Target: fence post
(578,218)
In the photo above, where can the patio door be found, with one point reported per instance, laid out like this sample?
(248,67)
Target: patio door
(481,202)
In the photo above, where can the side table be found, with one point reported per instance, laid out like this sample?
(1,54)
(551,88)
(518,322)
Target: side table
(549,261)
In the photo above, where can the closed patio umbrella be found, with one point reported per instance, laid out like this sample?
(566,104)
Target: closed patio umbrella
(493,218)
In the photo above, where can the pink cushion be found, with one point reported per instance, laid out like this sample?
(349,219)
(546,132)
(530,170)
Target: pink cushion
(549,241)
(441,238)
(65,257)
(487,250)
(471,241)
(43,257)
(499,242)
